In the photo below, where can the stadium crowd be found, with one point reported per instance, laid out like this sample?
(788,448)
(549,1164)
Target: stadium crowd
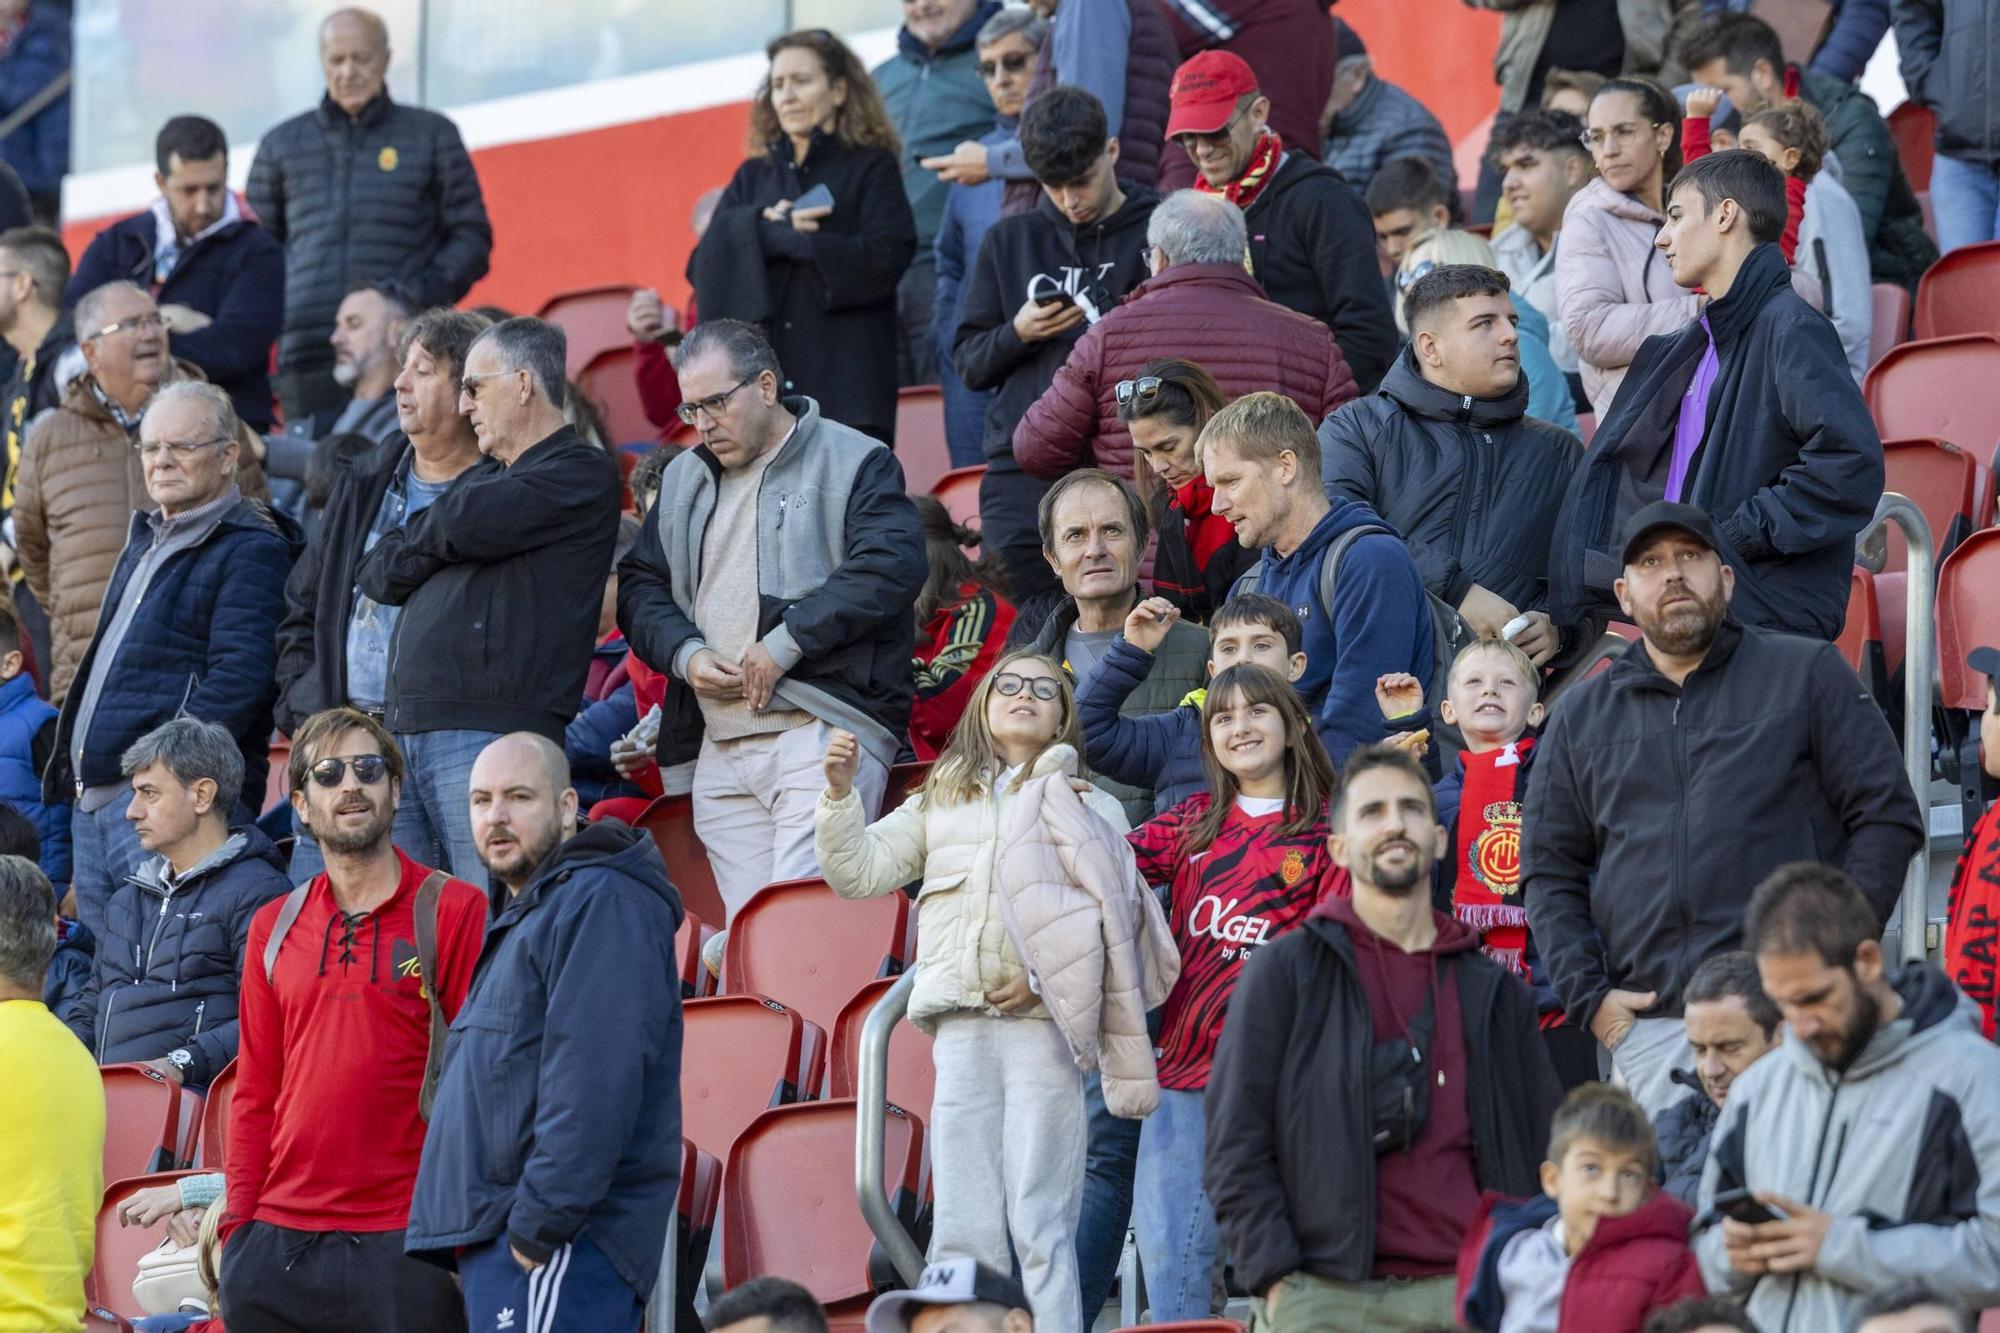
(1387,818)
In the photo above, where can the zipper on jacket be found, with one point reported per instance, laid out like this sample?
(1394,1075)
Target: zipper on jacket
(153,945)
(1465,488)
(1680,823)
(200,1009)
(104,1025)
(1813,1191)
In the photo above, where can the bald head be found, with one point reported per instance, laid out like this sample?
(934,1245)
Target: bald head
(523,807)
(354,53)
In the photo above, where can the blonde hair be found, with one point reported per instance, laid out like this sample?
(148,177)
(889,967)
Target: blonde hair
(1499,648)
(971,760)
(208,1251)
(1262,425)
(1446,246)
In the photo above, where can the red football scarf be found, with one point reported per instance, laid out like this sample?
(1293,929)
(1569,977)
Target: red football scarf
(1206,534)
(1243,191)
(1972,934)
(1486,893)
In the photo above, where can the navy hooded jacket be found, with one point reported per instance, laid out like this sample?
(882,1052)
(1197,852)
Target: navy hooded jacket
(561,1082)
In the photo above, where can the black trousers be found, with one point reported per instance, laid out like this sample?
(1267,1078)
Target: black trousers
(1008,501)
(277,1280)
(916,296)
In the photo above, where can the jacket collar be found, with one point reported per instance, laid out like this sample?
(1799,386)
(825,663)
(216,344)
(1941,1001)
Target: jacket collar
(156,875)
(1355,114)
(1219,276)
(1635,668)
(373,113)
(805,424)
(909,48)
(824,143)
(15,689)
(1405,385)
(1764,275)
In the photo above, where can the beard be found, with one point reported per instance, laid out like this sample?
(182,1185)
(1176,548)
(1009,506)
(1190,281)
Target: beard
(1842,1051)
(1687,629)
(1400,881)
(331,837)
(514,865)
(346,373)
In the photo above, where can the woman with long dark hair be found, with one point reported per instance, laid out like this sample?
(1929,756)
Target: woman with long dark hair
(963,616)
(1198,557)
(818,273)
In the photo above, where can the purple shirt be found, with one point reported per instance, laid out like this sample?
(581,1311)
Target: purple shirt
(1694,416)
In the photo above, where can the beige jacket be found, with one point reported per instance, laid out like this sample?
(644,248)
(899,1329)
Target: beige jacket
(1655,31)
(1613,287)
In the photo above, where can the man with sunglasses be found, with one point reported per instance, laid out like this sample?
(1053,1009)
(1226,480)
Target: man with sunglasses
(347,984)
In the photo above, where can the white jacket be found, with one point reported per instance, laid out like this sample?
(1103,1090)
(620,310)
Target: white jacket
(1833,248)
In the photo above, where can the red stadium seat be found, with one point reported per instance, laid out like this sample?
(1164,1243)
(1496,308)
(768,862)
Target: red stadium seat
(912,1075)
(278,779)
(687,954)
(1860,640)
(739,1055)
(799,942)
(1914,128)
(1961,293)
(143,1129)
(1968,617)
(1940,389)
(670,820)
(920,441)
(958,491)
(1943,481)
(903,780)
(1889,318)
(592,319)
(701,1192)
(788,1202)
(610,383)
(215,1118)
(108,1285)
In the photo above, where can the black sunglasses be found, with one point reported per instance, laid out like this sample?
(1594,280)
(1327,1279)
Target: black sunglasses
(1013,62)
(1044,688)
(1142,390)
(369,769)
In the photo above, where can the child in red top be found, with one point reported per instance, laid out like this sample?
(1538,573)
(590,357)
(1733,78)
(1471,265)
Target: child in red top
(1701,105)
(1245,862)
(963,618)
(1972,931)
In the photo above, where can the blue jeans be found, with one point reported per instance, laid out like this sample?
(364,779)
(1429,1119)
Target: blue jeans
(1110,1158)
(964,409)
(1171,1212)
(577,1289)
(1965,201)
(104,849)
(434,820)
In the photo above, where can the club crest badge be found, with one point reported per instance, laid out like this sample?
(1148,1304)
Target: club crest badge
(1495,855)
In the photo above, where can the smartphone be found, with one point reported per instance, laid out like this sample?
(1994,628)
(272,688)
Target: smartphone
(817,197)
(1743,1206)
(1054,300)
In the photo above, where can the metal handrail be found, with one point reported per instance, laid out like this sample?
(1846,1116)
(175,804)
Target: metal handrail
(871,1095)
(1919,667)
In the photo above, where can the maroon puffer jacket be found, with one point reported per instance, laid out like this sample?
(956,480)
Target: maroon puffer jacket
(1215,315)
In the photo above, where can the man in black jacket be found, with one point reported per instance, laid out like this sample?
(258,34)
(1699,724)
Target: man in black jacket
(37,331)
(552,1189)
(1446,453)
(1377,1072)
(1749,414)
(1955,80)
(1707,756)
(499,582)
(1731,1024)
(1040,279)
(362,189)
(1312,243)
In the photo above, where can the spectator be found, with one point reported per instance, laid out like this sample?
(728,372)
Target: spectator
(1613,290)
(1748,413)
(1022,315)
(1893,1068)
(1973,918)
(822,279)
(1462,1089)
(610,649)
(34,56)
(1094,528)
(218,275)
(970,1297)
(1007,47)
(367,329)
(1016,1013)
(1701,1314)
(1631,37)
(55,1121)
(165,986)
(348,982)
(1600,1250)
(766,1305)
(774,666)
(1408,201)
(1543,166)
(1730,1025)
(1569,91)
(1436,449)
(1310,250)
(1813,773)
(1287,46)
(331,459)
(935,100)
(1909,1307)
(644,482)
(963,616)
(1262,458)
(27,740)
(409,219)
(37,329)
(1704,106)
(65,989)
(1843,43)
(1163,411)
(1740,54)
(1369,120)
(191,613)
(521,540)
(656,328)
(557,1200)
(1198,283)
(1242,863)
(1965,174)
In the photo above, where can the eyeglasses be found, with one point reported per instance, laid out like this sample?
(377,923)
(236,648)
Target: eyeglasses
(1408,277)
(369,769)
(1013,62)
(182,450)
(1593,140)
(1044,688)
(152,323)
(469,384)
(1142,390)
(713,404)
(1191,139)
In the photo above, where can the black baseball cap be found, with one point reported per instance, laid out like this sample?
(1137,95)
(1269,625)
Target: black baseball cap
(1986,661)
(1658,517)
(947,1282)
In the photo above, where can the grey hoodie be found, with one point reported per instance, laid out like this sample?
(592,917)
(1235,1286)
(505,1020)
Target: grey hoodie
(1903,1149)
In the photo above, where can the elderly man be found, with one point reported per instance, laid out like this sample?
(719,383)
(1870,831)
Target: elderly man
(189,630)
(218,275)
(556,1195)
(1709,755)
(1199,303)
(1369,120)
(775,578)
(407,213)
(498,582)
(1730,1024)
(163,989)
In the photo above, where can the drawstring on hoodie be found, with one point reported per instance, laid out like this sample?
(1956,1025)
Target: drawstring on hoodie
(1417,1053)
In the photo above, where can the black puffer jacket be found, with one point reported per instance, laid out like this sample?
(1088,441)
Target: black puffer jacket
(1683,1131)
(1473,484)
(387,195)
(168,963)
(1950,51)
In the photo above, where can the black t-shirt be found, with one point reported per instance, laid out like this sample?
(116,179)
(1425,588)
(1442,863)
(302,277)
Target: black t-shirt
(1585,35)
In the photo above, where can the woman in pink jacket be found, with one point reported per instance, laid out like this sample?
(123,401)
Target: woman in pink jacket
(1614,288)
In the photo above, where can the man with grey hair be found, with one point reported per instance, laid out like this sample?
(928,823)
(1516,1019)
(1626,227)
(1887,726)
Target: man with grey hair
(163,989)
(189,629)
(775,578)
(1201,304)
(408,214)
(498,582)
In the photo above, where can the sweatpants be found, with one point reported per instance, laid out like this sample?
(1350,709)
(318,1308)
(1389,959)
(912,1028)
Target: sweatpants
(1308,1304)
(1647,1057)
(576,1291)
(1007,1145)
(277,1280)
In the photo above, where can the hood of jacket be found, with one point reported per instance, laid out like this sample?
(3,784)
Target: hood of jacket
(1134,212)
(1453,935)
(605,845)
(910,48)
(247,843)
(1299,165)
(1601,196)
(1932,1007)
(1406,384)
(1307,554)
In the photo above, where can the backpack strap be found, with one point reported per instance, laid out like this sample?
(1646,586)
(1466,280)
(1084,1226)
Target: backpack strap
(427,975)
(1329,566)
(294,903)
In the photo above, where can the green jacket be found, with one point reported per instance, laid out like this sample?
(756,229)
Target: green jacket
(936,101)
(1899,250)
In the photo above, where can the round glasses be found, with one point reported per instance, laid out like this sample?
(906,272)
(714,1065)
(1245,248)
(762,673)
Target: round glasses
(1044,688)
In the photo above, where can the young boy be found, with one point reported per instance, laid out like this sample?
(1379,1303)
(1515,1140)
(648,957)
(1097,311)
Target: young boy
(1163,751)
(1408,200)
(1600,1251)
(27,734)
(1972,932)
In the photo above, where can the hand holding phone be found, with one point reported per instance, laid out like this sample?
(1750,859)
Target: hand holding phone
(817,197)
(1740,1205)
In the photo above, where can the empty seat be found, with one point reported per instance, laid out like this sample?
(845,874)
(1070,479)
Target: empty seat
(143,1129)
(1968,617)
(920,439)
(1889,304)
(1939,389)
(108,1285)
(1942,480)
(904,779)
(912,1072)
(1914,129)
(215,1118)
(739,1055)
(1960,293)
(592,320)
(958,491)
(799,942)
(688,942)
(610,382)
(670,820)
(700,1192)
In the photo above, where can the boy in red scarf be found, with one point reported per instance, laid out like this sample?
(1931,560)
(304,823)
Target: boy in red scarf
(1972,933)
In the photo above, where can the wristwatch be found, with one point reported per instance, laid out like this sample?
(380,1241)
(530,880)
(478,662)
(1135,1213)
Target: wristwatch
(181,1059)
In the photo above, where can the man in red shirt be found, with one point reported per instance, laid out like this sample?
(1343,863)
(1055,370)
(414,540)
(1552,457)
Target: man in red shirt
(325,1130)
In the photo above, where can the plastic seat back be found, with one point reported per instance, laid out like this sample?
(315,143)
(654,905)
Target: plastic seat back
(1939,389)
(592,320)
(215,1118)
(1960,293)
(1968,617)
(958,491)
(1889,305)
(670,820)
(1860,639)
(802,944)
(1914,129)
(739,1055)
(142,1121)
(109,1283)
(1942,480)
(912,1072)
(920,439)
(610,381)
(688,940)
(904,779)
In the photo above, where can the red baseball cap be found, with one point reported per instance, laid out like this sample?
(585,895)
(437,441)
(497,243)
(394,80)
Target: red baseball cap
(1205,91)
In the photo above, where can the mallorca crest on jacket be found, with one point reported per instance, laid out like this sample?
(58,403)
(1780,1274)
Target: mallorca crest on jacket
(1495,856)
